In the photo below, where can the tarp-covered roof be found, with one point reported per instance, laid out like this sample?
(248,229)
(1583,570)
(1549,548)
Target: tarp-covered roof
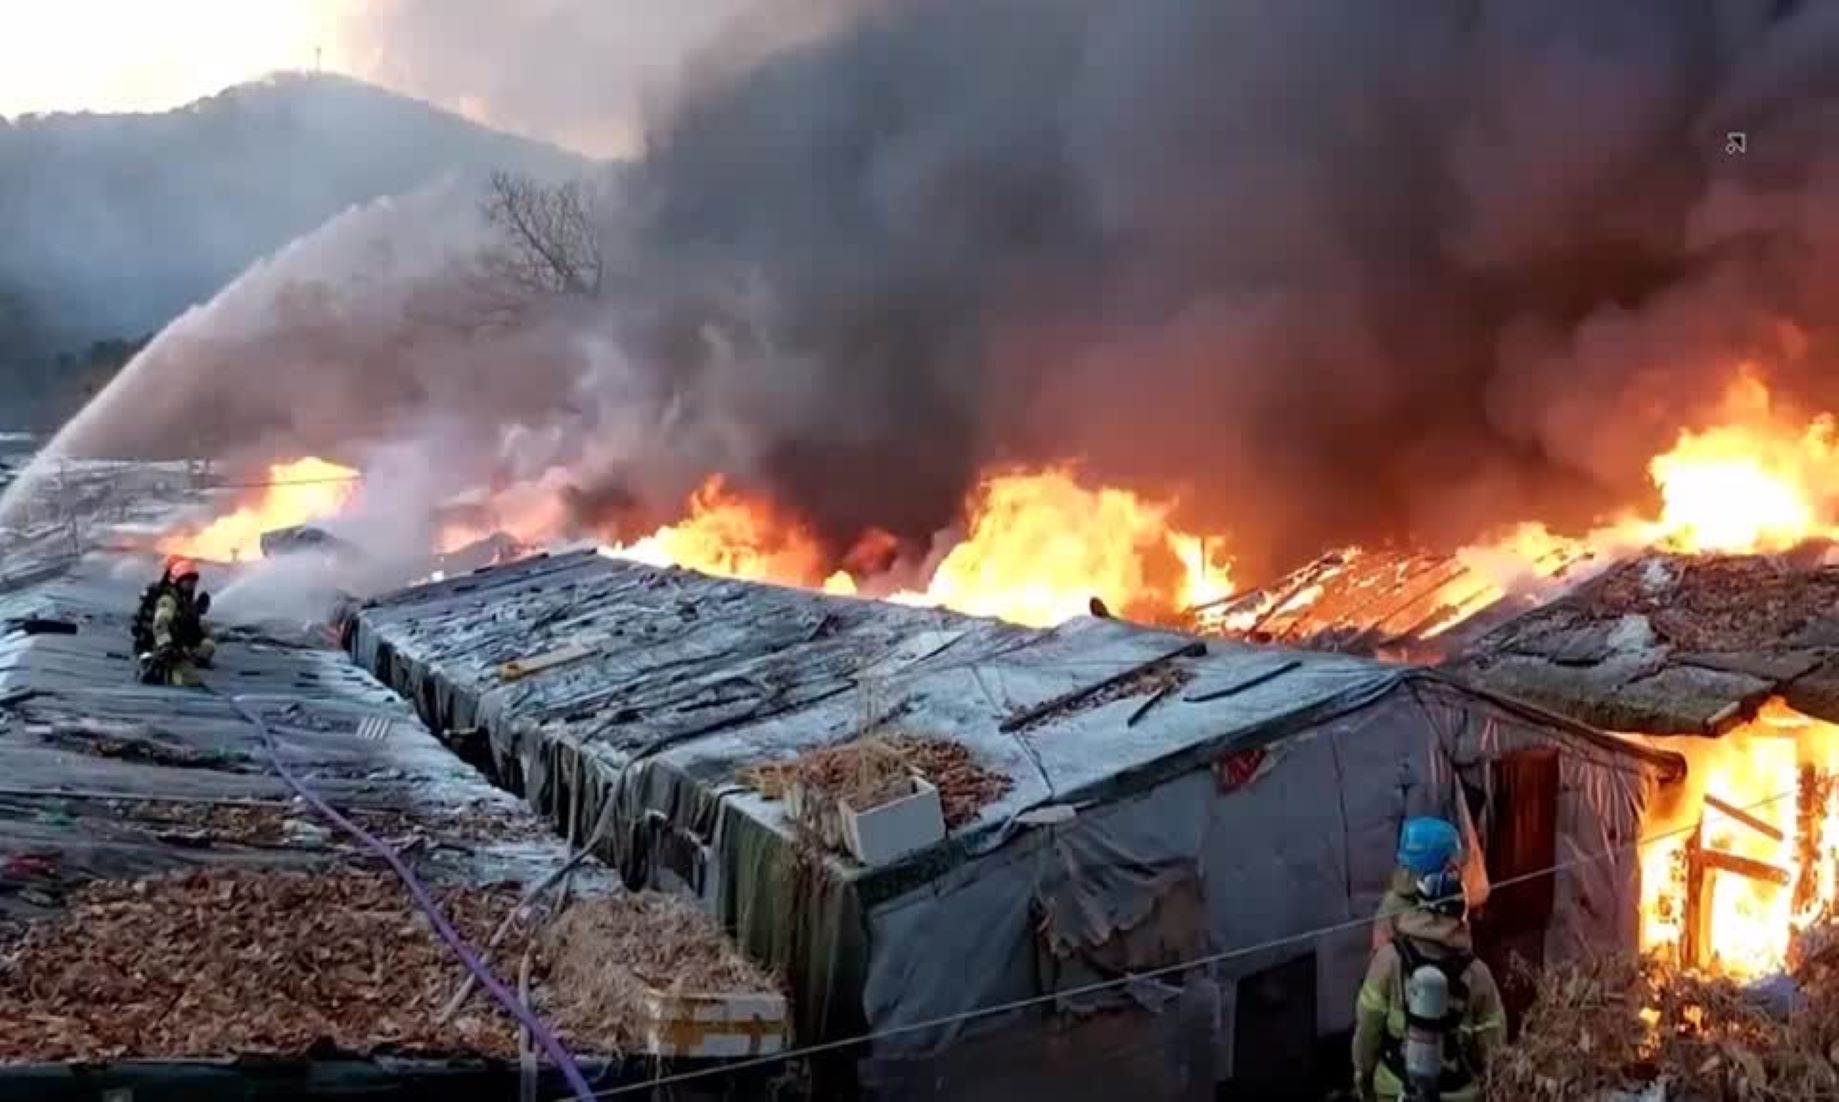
(1673,645)
(73,718)
(103,779)
(710,675)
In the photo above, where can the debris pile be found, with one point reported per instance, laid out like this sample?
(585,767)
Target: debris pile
(868,772)
(1619,1024)
(233,963)
(603,956)
(965,786)
(214,824)
(1717,603)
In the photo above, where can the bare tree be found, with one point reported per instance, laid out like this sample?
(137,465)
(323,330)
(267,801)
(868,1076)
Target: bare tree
(550,236)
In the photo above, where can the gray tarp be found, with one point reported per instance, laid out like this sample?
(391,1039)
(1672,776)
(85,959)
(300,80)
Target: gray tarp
(1306,845)
(686,679)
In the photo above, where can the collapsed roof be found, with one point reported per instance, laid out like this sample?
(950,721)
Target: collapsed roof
(1373,601)
(1673,644)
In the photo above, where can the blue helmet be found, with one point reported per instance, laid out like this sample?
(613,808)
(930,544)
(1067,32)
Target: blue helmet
(1427,845)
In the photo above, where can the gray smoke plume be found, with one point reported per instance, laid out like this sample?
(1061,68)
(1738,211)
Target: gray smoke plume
(1335,271)
(581,73)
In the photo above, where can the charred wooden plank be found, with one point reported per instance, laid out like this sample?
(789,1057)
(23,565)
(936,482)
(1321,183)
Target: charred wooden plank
(1816,793)
(1046,708)
(1281,606)
(1143,708)
(520,668)
(1748,867)
(1762,827)
(1694,942)
(1246,685)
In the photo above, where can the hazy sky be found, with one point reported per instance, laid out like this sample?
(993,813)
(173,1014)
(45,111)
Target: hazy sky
(149,55)
(575,72)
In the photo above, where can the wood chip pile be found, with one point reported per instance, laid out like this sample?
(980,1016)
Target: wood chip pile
(870,771)
(233,963)
(238,963)
(1621,1023)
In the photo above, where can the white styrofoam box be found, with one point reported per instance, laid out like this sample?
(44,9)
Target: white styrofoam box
(878,835)
(719,1026)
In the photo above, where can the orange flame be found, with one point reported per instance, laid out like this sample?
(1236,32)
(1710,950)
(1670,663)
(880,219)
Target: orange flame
(733,535)
(296,493)
(1041,546)
(1752,484)
(1764,795)
(1756,483)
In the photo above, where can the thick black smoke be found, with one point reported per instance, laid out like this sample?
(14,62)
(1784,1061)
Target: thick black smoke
(1338,270)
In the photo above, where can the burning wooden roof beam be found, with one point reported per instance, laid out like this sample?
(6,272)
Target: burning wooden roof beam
(1767,830)
(1714,860)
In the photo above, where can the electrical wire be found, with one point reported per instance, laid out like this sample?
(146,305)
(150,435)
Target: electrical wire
(1364,923)
(320,481)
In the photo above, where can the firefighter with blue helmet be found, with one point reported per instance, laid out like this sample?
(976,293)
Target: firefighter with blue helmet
(1423,944)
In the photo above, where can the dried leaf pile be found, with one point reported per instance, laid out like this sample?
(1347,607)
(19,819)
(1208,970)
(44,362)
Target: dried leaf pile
(600,955)
(870,771)
(965,787)
(1620,1023)
(237,963)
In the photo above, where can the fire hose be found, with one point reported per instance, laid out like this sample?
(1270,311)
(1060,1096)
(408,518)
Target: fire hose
(539,1032)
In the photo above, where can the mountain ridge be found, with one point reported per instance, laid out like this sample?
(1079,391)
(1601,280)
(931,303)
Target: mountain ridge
(118,222)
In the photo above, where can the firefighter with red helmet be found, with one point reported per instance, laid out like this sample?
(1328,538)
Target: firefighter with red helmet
(169,632)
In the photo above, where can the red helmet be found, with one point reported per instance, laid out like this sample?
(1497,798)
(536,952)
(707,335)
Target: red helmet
(178,568)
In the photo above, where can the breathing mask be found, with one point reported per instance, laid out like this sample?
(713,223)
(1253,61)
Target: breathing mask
(1441,893)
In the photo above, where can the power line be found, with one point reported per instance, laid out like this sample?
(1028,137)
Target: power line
(1365,923)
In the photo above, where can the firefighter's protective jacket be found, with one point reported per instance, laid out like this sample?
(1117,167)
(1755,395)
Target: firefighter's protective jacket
(1400,897)
(167,614)
(1379,1019)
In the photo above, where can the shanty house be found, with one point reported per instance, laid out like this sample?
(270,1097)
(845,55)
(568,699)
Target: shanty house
(1732,662)
(1214,819)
